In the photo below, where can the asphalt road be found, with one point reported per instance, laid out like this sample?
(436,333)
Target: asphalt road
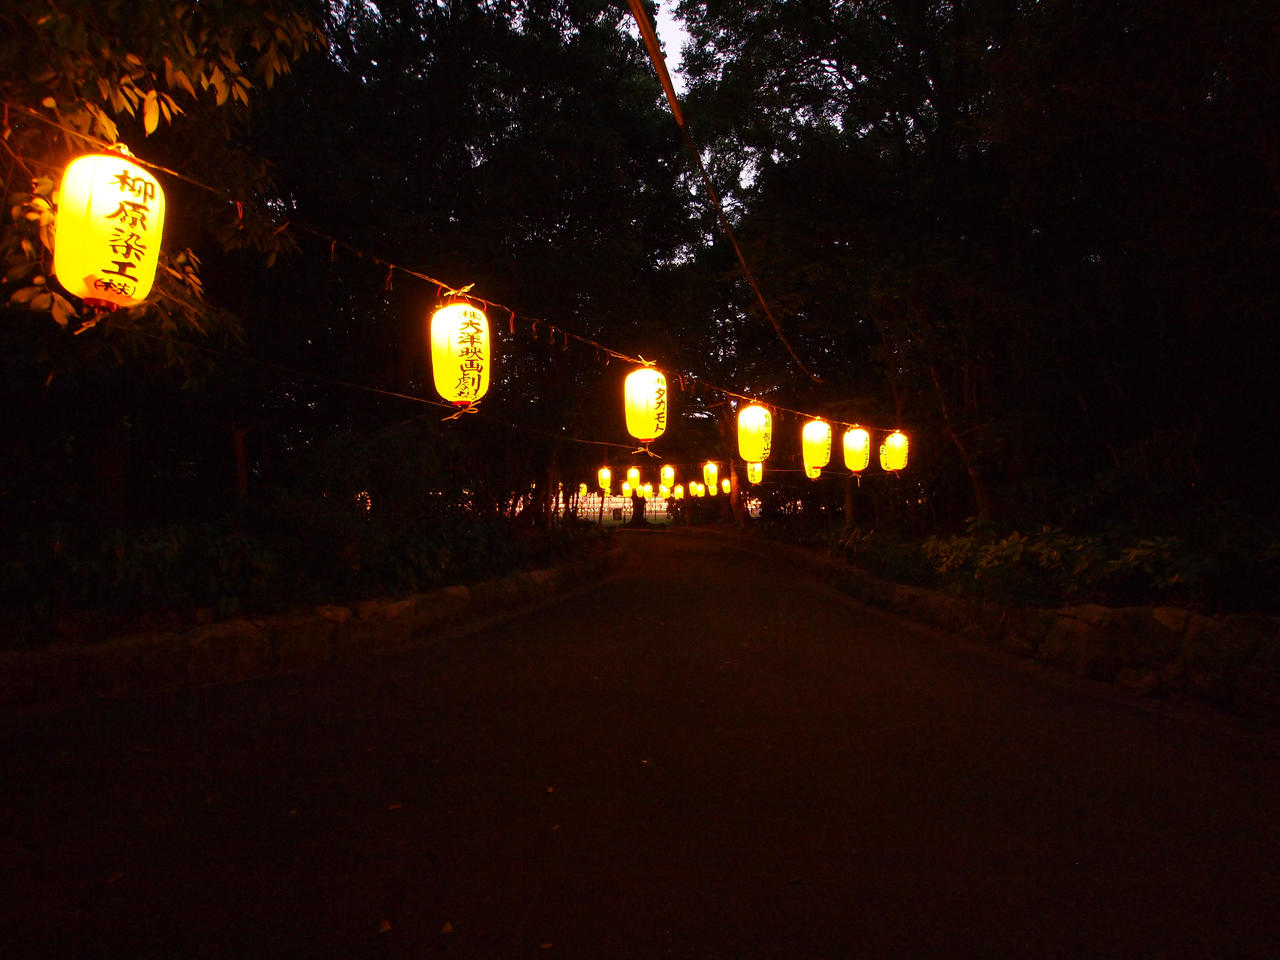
(708,755)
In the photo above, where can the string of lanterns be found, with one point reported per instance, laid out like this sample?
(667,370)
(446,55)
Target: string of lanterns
(109,225)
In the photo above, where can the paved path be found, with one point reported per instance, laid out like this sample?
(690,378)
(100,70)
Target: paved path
(708,755)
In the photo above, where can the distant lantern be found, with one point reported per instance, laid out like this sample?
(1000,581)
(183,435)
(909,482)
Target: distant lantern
(664,491)
(755,472)
(645,399)
(605,476)
(633,476)
(857,449)
(460,352)
(816,443)
(713,489)
(699,489)
(678,492)
(647,491)
(626,488)
(668,475)
(724,485)
(108,227)
(893,452)
(709,473)
(582,490)
(813,473)
(755,433)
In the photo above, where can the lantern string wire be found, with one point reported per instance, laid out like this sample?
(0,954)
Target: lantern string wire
(688,381)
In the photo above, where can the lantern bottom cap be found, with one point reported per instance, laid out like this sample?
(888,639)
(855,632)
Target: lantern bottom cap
(102,306)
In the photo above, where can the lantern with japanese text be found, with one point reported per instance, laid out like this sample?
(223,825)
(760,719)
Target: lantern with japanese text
(893,452)
(645,400)
(668,475)
(710,472)
(755,433)
(755,472)
(109,222)
(605,477)
(460,352)
(816,444)
(857,449)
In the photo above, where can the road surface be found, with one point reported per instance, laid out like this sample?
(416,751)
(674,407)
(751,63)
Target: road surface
(707,755)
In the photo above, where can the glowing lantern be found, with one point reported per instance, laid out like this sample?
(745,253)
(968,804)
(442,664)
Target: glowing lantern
(633,476)
(582,490)
(605,476)
(857,449)
(755,433)
(668,475)
(647,491)
(755,472)
(698,489)
(816,443)
(813,473)
(709,473)
(626,488)
(664,491)
(645,400)
(678,492)
(724,485)
(460,352)
(713,488)
(110,218)
(893,452)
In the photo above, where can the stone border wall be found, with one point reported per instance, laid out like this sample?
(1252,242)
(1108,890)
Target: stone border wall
(246,648)
(1232,662)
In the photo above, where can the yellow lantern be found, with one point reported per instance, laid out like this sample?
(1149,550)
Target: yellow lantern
(699,489)
(664,491)
(813,473)
(755,472)
(647,491)
(678,492)
(668,475)
(893,452)
(582,490)
(460,352)
(755,433)
(816,443)
(724,485)
(709,473)
(713,488)
(626,488)
(645,400)
(633,476)
(605,476)
(110,218)
(857,449)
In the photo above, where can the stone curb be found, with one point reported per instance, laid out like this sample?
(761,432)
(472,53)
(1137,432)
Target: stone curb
(245,649)
(1231,662)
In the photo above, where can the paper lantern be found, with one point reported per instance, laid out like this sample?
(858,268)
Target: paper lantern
(110,219)
(678,492)
(698,489)
(664,491)
(626,488)
(816,443)
(755,472)
(857,449)
(647,491)
(460,352)
(633,476)
(713,489)
(755,433)
(605,476)
(668,475)
(893,452)
(709,473)
(582,490)
(813,473)
(645,400)
(725,485)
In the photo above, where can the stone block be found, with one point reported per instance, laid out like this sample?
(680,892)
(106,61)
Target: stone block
(301,642)
(231,650)
(1081,646)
